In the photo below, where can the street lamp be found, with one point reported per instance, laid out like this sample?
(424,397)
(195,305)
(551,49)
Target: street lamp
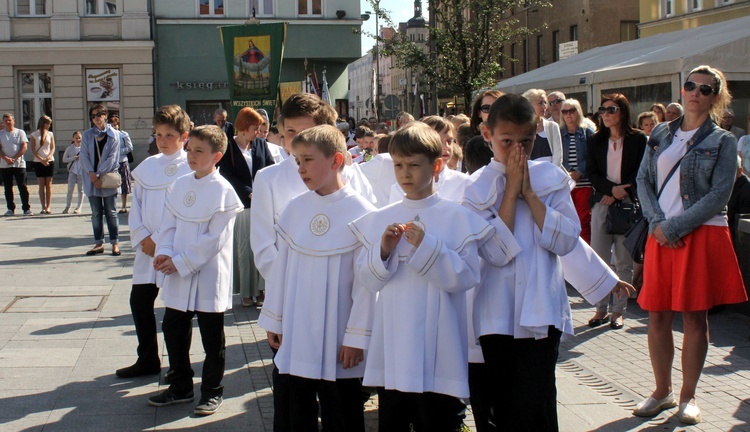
(377,56)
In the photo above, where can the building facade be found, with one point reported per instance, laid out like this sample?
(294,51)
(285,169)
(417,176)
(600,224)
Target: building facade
(59,58)
(191,70)
(361,87)
(662,16)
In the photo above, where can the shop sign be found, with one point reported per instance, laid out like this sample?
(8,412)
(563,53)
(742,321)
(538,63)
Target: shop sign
(102,85)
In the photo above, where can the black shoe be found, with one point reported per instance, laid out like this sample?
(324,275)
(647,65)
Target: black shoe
(168,398)
(208,406)
(168,377)
(596,322)
(616,325)
(137,370)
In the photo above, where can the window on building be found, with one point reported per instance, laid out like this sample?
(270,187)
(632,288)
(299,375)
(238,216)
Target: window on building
(696,5)
(210,7)
(36,98)
(556,45)
(501,61)
(573,33)
(628,30)
(309,7)
(30,7)
(539,52)
(512,59)
(101,7)
(668,8)
(262,7)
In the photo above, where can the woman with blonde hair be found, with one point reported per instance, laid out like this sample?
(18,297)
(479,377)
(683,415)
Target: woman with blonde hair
(548,143)
(660,110)
(684,183)
(43,147)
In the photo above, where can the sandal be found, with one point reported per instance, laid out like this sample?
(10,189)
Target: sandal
(96,250)
(116,252)
(123,211)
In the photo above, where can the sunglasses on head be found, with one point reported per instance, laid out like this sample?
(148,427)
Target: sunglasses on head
(485,108)
(608,110)
(554,102)
(705,89)
(568,111)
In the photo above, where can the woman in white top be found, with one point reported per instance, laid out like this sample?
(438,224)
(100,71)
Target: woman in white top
(548,143)
(43,147)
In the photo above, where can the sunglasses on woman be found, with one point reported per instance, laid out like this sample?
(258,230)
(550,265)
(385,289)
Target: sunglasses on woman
(570,111)
(485,108)
(554,102)
(705,89)
(611,110)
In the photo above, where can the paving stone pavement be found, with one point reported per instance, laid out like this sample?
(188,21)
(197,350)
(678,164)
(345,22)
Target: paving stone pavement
(65,326)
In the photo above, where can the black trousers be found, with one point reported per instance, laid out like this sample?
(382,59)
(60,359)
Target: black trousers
(178,331)
(281,414)
(142,298)
(480,396)
(522,374)
(340,402)
(19,174)
(405,412)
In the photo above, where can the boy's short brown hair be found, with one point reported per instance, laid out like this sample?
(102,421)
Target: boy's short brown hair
(326,138)
(173,116)
(511,108)
(213,135)
(416,138)
(310,105)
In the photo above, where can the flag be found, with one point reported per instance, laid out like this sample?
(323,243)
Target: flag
(324,92)
(315,86)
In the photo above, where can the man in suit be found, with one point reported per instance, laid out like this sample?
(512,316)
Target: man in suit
(220,120)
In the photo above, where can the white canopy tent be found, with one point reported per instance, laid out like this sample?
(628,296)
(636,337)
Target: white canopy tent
(663,60)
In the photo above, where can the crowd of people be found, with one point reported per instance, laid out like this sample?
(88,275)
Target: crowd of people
(429,259)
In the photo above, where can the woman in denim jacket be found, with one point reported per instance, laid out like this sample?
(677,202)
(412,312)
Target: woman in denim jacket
(575,133)
(690,264)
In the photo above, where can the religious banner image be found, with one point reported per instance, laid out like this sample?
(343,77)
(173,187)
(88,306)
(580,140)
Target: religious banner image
(253,56)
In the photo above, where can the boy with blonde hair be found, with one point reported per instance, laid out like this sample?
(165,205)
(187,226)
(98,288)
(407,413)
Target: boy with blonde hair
(320,323)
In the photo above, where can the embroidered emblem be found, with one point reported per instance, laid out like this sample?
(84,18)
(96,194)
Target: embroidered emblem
(171,170)
(418,223)
(320,225)
(189,199)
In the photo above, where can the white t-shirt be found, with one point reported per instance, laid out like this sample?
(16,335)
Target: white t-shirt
(11,143)
(43,148)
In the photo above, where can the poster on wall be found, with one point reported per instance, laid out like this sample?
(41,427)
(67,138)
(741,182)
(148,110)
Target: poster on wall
(103,85)
(253,56)
(289,88)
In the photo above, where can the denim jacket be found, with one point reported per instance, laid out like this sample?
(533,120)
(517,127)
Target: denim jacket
(581,136)
(707,175)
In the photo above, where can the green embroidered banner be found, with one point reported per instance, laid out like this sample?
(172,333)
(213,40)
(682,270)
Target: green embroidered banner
(253,54)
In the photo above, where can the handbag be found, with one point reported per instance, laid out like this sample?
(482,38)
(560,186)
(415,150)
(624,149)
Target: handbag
(635,238)
(621,216)
(110,180)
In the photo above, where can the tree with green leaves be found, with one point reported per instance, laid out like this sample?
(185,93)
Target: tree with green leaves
(468,37)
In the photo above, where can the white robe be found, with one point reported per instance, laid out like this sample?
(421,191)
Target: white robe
(151,181)
(419,341)
(197,233)
(525,296)
(449,185)
(273,187)
(380,174)
(310,297)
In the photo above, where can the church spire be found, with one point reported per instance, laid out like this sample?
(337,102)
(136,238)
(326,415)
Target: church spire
(417,8)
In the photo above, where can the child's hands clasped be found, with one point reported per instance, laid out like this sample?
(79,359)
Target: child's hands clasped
(164,264)
(514,171)
(413,234)
(390,239)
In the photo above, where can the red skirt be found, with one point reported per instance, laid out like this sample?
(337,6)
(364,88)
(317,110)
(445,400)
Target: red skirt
(696,277)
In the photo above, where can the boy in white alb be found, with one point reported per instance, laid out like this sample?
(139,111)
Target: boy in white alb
(153,177)
(194,251)
(521,307)
(273,188)
(417,356)
(312,311)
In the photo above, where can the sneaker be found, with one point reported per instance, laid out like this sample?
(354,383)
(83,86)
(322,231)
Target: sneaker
(28,213)
(76,211)
(10,213)
(208,406)
(168,398)
(66,210)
